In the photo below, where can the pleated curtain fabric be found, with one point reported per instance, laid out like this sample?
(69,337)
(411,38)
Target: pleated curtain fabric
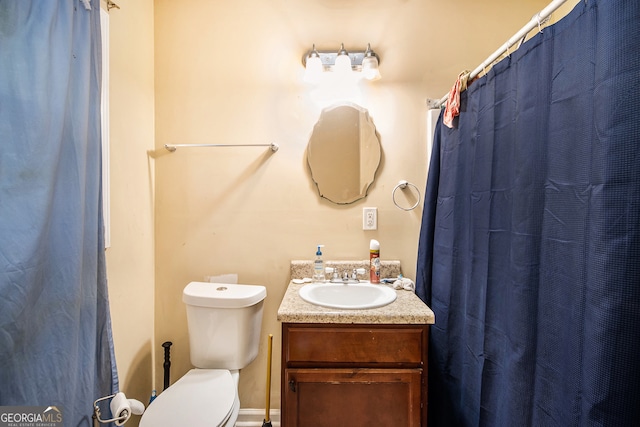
(529,248)
(56,348)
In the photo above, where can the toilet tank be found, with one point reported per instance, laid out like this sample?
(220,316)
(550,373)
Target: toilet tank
(224,322)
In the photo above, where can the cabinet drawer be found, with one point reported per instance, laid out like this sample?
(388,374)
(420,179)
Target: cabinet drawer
(364,345)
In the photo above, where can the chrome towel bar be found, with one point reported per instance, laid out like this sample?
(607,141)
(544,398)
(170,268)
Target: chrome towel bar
(173,147)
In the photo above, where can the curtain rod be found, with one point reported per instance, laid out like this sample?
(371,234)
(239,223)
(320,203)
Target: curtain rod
(536,21)
(173,147)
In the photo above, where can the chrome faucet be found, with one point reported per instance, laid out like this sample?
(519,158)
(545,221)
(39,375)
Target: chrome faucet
(336,278)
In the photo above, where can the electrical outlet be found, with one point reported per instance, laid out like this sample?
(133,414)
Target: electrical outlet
(369,218)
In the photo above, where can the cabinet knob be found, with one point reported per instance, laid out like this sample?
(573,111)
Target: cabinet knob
(292,385)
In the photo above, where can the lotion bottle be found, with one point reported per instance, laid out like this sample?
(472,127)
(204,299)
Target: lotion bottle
(374,261)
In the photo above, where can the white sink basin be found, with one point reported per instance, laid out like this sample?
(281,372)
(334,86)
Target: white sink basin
(352,296)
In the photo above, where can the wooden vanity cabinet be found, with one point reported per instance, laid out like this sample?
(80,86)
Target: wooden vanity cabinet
(354,375)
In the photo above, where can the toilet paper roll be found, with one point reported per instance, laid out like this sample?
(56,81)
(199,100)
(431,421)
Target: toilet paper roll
(120,408)
(137,407)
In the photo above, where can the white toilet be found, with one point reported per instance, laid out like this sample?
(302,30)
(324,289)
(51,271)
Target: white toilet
(224,324)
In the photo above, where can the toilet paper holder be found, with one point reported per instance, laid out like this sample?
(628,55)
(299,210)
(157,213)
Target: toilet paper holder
(121,409)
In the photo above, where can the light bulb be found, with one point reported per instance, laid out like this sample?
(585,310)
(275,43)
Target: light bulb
(313,69)
(370,69)
(343,62)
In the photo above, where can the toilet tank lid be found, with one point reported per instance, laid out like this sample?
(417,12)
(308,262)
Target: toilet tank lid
(223,295)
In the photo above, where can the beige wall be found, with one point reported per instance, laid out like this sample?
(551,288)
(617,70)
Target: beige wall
(130,259)
(564,9)
(231,73)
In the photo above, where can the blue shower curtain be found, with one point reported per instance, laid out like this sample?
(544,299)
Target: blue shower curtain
(55,333)
(529,248)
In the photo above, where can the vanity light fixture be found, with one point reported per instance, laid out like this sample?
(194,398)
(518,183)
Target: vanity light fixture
(342,61)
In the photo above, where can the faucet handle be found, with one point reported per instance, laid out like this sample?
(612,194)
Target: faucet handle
(355,272)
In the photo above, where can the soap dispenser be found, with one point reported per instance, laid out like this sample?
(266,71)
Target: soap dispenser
(318,266)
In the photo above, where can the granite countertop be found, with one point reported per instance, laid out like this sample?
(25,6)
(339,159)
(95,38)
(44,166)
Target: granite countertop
(406,309)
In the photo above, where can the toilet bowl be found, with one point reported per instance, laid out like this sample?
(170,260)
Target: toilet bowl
(224,322)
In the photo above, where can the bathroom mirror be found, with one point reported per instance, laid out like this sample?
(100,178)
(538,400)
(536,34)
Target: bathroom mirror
(344,153)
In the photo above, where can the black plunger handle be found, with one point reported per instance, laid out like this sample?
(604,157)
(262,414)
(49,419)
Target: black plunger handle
(167,363)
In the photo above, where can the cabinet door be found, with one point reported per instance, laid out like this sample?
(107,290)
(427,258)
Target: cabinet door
(352,397)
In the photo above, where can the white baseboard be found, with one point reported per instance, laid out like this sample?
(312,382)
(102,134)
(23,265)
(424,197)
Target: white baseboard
(255,417)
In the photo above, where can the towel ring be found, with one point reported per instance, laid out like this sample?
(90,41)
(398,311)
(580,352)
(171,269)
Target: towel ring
(402,185)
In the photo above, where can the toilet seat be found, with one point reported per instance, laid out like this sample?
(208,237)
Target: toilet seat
(203,397)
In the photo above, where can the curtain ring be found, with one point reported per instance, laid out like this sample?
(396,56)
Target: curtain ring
(539,23)
(402,185)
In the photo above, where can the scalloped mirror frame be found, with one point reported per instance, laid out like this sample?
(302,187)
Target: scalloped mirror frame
(344,153)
